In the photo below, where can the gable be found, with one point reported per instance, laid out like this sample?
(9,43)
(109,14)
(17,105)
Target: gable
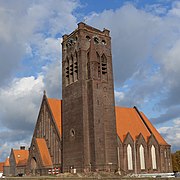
(21,157)
(49,117)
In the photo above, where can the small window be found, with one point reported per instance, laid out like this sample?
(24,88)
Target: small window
(103,42)
(88,38)
(18,156)
(72,132)
(96,40)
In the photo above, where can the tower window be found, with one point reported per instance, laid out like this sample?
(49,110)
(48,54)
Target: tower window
(75,67)
(96,40)
(71,69)
(67,71)
(72,132)
(104,65)
(103,42)
(99,66)
(88,38)
(104,68)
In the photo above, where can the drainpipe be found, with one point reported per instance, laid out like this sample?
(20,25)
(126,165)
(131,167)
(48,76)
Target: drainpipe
(119,169)
(135,160)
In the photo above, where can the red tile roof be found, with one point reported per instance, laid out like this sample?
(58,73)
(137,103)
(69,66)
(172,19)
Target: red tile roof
(159,138)
(44,152)
(1,166)
(21,157)
(55,105)
(128,120)
(6,163)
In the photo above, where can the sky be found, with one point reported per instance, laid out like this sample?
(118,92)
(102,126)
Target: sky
(145,49)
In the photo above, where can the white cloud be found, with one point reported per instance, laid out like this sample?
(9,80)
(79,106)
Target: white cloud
(119,96)
(145,51)
(20,103)
(53,79)
(172,133)
(25,27)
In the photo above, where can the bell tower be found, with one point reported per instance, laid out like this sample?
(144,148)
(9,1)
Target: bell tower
(89,137)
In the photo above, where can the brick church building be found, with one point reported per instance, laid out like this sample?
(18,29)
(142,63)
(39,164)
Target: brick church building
(84,131)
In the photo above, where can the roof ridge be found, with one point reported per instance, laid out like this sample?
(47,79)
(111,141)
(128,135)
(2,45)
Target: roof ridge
(142,119)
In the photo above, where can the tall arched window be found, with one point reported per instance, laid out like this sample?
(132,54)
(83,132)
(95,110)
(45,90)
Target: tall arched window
(104,67)
(75,67)
(129,157)
(153,155)
(141,153)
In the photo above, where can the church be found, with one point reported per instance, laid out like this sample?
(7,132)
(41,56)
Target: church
(85,131)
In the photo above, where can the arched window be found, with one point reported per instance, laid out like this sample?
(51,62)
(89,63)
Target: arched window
(75,67)
(99,66)
(104,64)
(141,153)
(153,155)
(71,61)
(129,157)
(104,68)
(67,71)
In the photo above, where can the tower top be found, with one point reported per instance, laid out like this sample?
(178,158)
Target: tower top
(86,27)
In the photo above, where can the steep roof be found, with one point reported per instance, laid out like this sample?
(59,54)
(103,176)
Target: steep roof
(55,105)
(44,152)
(1,166)
(159,138)
(128,120)
(6,163)
(21,156)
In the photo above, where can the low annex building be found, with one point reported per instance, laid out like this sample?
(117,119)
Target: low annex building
(1,168)
(18,161)
(6,167)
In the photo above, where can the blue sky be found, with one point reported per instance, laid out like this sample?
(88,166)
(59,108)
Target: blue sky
(145,48)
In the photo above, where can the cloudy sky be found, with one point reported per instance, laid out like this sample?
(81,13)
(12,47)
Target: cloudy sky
(146,59)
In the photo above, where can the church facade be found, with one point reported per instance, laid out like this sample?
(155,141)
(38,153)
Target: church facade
(45,149)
